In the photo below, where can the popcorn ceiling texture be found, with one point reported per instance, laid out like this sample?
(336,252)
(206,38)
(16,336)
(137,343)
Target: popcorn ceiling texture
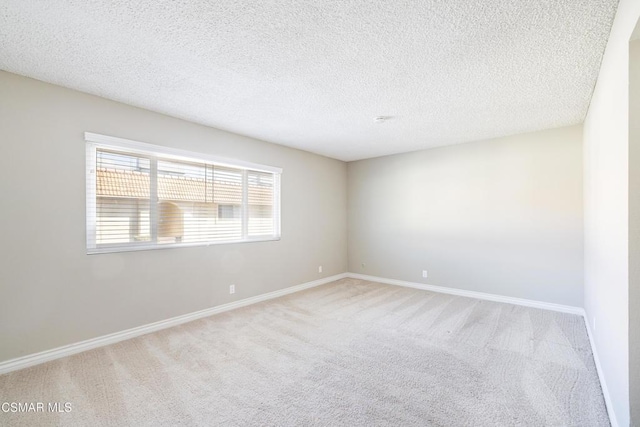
(315,74)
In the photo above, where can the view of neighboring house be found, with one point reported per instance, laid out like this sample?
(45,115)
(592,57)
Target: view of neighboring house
(195,202)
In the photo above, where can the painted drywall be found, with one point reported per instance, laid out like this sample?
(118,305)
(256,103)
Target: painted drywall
(502,216)
(634,229)
(53,294)
(606,192)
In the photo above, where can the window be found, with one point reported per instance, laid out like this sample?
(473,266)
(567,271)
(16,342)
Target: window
(142,196)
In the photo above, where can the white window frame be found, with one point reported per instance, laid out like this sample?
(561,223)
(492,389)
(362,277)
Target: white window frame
(96,141)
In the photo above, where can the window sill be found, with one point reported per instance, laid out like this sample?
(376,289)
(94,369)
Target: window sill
(147,247)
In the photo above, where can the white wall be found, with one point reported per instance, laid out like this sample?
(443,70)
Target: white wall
(634,228)
(502,216)
(606,154)
(52,293)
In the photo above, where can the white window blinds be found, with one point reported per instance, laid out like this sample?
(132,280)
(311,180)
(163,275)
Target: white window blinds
(141,196)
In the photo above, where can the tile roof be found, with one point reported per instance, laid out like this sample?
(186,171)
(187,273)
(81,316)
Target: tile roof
(134,184)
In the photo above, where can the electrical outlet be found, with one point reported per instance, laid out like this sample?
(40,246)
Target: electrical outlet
(232,289)
(320,269)
(424,273)
(364,265)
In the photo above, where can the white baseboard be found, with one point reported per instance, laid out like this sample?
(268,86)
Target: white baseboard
(603,382)
(511,300)
(473,294)
(68,350)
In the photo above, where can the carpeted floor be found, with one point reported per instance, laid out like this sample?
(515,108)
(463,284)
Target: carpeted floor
(348,353)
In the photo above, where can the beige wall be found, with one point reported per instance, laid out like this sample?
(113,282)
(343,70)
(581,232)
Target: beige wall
(52,293)
(502,216)
(606,191)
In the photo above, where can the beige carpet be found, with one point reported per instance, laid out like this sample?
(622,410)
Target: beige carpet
(348,353)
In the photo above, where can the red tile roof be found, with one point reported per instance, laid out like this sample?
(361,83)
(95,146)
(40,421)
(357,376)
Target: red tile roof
(134,184)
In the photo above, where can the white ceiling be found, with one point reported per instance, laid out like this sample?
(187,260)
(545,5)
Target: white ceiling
(315,74)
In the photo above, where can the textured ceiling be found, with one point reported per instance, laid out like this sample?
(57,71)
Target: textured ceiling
(315,74)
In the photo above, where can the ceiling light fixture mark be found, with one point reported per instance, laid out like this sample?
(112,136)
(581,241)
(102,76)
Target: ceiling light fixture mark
(382,119)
